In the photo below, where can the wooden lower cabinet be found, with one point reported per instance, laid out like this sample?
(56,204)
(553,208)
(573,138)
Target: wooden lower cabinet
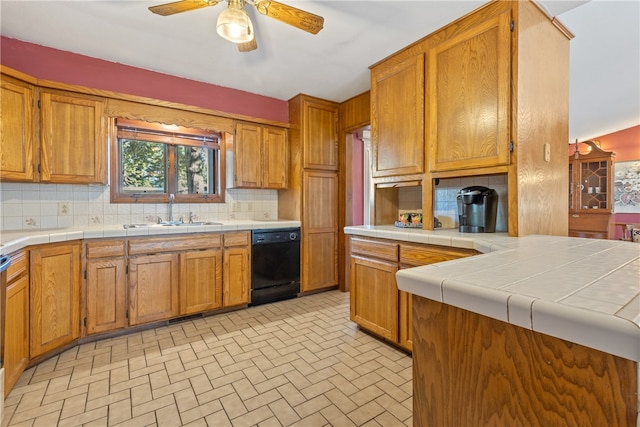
(54,296)
(106,286)
(374,298)
(153,288)
(16,336)
(200,281)
(236,269)
(405,330)
(377,304)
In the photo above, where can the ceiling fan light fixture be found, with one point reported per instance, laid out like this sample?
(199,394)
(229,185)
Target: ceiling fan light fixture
(234,24)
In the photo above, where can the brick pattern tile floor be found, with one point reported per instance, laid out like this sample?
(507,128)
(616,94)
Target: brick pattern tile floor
(300,362)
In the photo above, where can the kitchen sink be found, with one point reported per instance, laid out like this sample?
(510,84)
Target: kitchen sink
(171,224)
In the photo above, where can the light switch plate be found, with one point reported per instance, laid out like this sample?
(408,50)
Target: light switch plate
(547,152)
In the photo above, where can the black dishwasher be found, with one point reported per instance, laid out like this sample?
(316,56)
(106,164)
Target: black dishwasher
(275,265)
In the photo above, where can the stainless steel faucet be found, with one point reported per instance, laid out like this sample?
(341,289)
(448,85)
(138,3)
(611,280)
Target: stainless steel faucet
(172,198)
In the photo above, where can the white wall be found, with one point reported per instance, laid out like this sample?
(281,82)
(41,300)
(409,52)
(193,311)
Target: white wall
(445,205)
(34,206)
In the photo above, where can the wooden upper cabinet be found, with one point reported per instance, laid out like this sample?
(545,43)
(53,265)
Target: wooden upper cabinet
(16,138)
(274,158)
(319,134)
(73,138)
(259,157)
(397,117)
(469,78)
(247,156)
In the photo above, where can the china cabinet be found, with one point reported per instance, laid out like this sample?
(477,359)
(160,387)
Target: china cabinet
(591,191)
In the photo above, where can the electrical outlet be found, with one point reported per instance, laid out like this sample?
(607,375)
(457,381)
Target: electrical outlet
(64,209)
(250,207)
(235,207)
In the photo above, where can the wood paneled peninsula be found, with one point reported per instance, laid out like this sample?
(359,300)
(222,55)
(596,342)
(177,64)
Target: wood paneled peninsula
(536,330)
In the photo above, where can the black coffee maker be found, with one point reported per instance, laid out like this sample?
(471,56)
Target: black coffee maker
(477,209)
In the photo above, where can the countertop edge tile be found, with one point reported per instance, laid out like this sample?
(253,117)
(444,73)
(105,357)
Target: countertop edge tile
(609,334)
(413,280)
(519,310)
(14,240)
(487,302)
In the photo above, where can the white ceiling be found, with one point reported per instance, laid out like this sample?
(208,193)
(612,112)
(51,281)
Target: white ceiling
(605,54)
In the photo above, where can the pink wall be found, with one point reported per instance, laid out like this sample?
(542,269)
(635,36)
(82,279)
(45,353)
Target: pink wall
(66,67)
(626,145)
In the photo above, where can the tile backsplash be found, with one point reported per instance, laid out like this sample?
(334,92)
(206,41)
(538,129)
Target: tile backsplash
(445,205)
(33,206)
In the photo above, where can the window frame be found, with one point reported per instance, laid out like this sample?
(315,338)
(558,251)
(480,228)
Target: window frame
(170,137)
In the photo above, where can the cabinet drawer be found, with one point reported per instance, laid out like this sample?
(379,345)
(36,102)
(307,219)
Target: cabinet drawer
(376,249)
(236,239)
(174,244)
(105,248)
(19,265)
(416,255)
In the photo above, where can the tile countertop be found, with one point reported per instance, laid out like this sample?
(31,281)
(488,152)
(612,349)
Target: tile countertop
(585,291)
(14,240)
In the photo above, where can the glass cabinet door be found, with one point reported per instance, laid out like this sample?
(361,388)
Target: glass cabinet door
(593,185)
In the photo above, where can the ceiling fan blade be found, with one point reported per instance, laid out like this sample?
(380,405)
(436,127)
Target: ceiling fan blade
(181,6)
(248,46)
(290,15)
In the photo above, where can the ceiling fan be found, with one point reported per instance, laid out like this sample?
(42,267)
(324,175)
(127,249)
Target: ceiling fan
(234,23)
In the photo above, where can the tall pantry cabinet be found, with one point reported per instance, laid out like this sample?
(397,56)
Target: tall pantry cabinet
(312,193)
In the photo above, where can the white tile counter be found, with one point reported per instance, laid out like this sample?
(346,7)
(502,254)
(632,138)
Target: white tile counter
(585,291)
(11,241)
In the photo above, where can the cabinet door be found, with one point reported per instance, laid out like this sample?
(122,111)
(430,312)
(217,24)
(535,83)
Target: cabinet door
(374,296)
(153,288)
(469,98)
(73,139)
(274,162)
(248,156)
(55,297)
(320,135)
(106,295)
(16,338)
(320,231)
(237,276)
(397,118)
(16,138)
(200,281)
(405,329)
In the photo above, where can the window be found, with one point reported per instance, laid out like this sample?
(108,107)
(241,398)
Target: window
(151,161)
